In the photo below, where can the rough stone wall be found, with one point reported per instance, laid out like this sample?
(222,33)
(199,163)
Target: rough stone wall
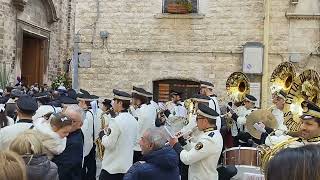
(34,13)
(158,47)
(7,37)
(145,45)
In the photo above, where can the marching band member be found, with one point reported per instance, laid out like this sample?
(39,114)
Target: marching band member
(203,157)
(206,88)
(191,129)
(238,109)
(279,101)
(175,107)
(107,113)
(240,118)
(152,103)
(192,119)
(310,128)
(119,139)
(26,107)
(146,116)
(89,165)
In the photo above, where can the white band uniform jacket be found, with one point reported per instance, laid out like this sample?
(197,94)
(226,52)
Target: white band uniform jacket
(239,112)
(204,156)
(146,119)
(119,142)
(97,123)
(213,104)
(87,130)
(278,114)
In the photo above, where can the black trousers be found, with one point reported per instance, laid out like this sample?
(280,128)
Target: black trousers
(227,172)
(137,156)
(89,168)
(183,170)
(104,175)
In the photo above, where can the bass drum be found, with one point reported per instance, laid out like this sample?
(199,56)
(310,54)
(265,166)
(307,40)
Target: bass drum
(242,156)
(246,160)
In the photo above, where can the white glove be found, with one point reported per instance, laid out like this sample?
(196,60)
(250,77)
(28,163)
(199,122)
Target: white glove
(260,127)
(283,128)
(241,120)
(279,132)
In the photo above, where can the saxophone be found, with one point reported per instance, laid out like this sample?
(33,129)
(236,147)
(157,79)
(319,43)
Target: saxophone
(100,147)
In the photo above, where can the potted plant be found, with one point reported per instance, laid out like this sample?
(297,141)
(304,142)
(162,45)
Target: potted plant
(62,80)
(179,6)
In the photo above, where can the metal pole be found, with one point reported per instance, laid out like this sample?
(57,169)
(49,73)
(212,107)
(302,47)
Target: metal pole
(75,62)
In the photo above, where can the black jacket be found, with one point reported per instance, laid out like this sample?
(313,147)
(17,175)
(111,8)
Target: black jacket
(69,162)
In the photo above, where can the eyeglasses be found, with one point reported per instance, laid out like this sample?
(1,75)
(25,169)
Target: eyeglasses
(199,117)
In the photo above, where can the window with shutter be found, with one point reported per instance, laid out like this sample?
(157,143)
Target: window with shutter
(162,88)
(194,3)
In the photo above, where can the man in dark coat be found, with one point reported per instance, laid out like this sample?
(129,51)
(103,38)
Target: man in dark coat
(159,161)
(69,162)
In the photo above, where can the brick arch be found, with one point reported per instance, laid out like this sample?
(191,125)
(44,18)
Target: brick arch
(49,8)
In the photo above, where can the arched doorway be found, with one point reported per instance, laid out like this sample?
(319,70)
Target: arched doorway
(33,28)
(162,88)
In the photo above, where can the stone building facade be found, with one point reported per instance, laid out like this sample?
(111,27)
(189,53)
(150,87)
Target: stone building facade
(35,37)
(145,45)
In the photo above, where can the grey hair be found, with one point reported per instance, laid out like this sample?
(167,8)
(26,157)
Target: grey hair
(76,108)
(157,137)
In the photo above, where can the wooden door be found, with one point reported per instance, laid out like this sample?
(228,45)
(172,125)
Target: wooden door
(32,66)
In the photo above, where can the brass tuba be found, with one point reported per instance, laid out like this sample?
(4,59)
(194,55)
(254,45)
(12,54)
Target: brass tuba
(304,87)
(237,86)
(267,153)
(282,77)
